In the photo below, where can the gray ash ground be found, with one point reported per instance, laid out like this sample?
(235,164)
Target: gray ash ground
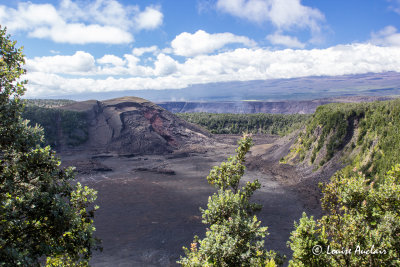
(146,214)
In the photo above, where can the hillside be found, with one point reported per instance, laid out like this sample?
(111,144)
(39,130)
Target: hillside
(363,136)
(62,128)
(121,125)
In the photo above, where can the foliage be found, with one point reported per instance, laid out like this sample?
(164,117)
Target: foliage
(376,145)
(234,237)
(42,213)
(59,125)
(329,126)
(47,103)
(226,123)
(361,226)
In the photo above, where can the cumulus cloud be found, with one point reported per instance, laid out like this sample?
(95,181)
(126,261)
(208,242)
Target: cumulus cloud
(286,40)
(201,42)
(285,15)
(388,36)
(80,22)
(149,19)
(82,34)
(164,65)
(52,75)
(138,51)
(80,62)
(111,59)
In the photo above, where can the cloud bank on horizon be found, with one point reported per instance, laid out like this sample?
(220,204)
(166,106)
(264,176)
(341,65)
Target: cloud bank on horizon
(109,45)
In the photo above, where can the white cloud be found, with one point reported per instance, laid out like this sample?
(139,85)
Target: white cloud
(80,62)
(165,65)
(134,69)
(201,42)
(150,18)
(29,15)
(286,40)
(52,75)
(388,36)
(138,51)
(80,22)
(253,10)
(283,14)
(111,59)
(81,34)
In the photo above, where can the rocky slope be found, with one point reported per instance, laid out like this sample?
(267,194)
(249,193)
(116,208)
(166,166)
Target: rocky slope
(135,125)
(350,137)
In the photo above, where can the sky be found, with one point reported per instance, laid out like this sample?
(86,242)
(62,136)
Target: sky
(81,46)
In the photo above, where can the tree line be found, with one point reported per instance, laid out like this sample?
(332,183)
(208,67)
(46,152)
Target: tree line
(262,123)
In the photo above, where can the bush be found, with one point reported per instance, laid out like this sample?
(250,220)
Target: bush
(234,237)
(362,224)
(42,213)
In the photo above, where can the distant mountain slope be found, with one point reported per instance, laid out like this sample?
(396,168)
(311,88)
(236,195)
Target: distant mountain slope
(303,88)
(274,107)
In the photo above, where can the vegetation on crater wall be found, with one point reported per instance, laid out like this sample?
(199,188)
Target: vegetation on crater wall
(59,125)
(361,222)
(228,123)
(47,103)
(376,141)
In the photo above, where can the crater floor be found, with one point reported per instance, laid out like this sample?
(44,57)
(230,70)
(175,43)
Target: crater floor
(149,204)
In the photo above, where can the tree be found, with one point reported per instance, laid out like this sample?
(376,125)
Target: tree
(42,212)
(234,237)
(361,226)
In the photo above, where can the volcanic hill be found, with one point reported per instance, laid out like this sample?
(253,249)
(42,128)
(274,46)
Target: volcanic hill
(135,125)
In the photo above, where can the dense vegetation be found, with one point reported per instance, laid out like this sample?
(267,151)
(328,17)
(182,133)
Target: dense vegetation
(367,133)
(60,126)
(361,222)
(234,237)
(47,103)
(226,123)
(361,225)
(43,214)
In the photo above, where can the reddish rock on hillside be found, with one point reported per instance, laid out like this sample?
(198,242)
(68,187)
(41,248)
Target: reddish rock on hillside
(135,125)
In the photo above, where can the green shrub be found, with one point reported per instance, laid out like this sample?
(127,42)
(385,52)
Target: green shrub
(360,216)
(234,236)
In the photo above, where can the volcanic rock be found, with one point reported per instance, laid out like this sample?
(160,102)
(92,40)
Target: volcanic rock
(132,125)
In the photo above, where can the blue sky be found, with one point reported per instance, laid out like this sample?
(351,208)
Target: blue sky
(75,46)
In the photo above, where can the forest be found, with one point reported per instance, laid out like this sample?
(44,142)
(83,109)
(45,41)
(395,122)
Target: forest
(59,126)
(258,123)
